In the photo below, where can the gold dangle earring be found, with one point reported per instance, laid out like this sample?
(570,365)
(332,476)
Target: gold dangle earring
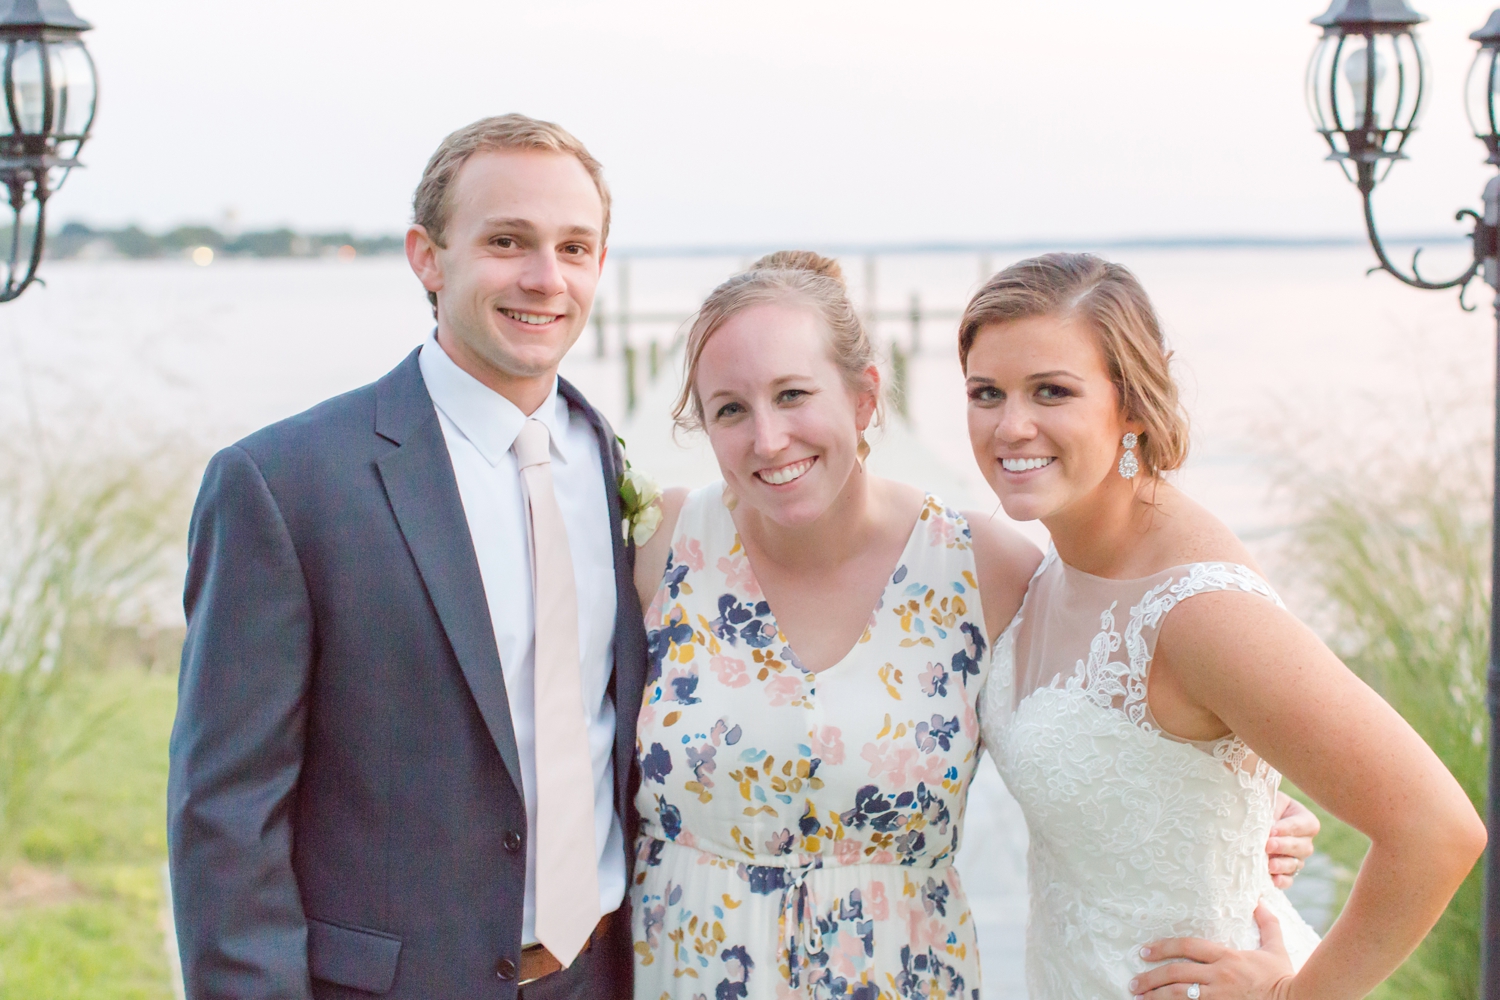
(730,498)
(863,451)
(1128,465)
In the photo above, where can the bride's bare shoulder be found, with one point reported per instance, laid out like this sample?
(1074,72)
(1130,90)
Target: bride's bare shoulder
(1187,532)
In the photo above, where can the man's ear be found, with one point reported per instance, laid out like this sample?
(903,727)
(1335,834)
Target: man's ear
(422,255)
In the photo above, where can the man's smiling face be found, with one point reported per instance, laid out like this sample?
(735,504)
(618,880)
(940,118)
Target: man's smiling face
(516,277)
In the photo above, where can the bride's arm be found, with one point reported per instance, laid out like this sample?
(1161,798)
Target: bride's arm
(651,558)
(1271,681)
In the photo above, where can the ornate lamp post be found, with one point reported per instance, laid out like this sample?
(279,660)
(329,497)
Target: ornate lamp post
(1365,89)
(50,92)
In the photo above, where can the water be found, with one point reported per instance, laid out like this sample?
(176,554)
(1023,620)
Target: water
(1298,340)
(1276,349)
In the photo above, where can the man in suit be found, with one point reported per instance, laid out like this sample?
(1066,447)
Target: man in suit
(402,757)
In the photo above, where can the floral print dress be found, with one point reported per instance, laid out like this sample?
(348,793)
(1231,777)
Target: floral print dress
(798,830)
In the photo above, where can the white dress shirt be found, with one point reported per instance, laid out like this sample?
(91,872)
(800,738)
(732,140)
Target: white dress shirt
(479,426)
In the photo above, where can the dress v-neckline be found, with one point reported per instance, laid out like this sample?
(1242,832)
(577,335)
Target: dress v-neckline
(872,620)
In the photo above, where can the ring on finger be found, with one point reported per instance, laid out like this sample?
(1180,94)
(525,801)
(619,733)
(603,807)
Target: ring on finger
(1194,991)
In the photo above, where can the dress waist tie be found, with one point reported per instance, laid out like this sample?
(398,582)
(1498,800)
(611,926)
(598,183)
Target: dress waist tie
(801,937)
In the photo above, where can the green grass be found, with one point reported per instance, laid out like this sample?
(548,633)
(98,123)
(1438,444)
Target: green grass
(83,564)
(100,821)
(1397,549)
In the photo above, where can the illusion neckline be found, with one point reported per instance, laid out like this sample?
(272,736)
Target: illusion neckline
(1168,571)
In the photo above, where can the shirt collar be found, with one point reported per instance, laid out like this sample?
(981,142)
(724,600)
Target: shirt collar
(487,419)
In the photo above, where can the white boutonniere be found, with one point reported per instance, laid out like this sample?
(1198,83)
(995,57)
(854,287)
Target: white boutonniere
(640,504)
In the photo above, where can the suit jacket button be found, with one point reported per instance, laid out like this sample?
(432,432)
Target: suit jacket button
(505,969)
(513,841)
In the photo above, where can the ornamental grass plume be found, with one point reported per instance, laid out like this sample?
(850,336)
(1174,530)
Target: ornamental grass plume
(1394,546)
(83,555)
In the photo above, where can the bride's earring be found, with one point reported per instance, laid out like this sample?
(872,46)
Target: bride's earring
(1128,465)
(731,499)
(863,451)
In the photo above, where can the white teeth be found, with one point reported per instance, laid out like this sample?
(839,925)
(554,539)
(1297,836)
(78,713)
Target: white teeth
(786,474)
(1024,464)
(535,319)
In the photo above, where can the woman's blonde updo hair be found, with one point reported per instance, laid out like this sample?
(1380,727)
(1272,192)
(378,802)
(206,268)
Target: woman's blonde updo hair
(1115,305)
(798,277)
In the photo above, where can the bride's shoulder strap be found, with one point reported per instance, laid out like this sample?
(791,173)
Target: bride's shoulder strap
(1180,584)
(1209,577)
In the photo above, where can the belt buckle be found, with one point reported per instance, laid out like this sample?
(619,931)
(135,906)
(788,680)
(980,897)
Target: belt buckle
(533,979)
(587,944)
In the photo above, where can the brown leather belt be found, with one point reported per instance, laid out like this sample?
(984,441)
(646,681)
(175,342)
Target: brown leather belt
(538,963)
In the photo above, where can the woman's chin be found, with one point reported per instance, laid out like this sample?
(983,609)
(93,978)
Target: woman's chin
(793,515)
(1020,506)
(794,508)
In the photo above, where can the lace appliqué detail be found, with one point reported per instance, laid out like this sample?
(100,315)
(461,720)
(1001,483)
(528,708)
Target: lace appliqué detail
(1135,834)
(1111,683)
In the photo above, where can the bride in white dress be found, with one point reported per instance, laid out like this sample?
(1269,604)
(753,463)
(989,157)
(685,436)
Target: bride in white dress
(1152,689)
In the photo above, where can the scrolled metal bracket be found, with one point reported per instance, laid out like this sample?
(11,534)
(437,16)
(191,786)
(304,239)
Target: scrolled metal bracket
(1483,238)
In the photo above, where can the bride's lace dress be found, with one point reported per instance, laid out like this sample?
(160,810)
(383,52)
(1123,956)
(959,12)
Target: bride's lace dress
(1135,834)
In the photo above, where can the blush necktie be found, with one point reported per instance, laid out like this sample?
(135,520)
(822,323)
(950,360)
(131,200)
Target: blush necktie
(567,858)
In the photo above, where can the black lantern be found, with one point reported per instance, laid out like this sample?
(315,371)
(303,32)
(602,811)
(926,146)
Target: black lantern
(1364,84)
(50,95)
(1364,89)
(1482,87)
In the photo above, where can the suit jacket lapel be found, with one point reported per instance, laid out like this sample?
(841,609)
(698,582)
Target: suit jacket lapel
(423,493)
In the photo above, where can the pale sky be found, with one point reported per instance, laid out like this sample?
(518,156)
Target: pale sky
(831,120)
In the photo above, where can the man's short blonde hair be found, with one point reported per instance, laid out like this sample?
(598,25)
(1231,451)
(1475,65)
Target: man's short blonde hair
(431,208)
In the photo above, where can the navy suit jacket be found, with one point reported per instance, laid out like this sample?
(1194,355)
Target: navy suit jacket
(345,814)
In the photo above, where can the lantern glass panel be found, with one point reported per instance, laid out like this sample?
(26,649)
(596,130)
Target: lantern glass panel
(72,88)
(26,83)
(7,126)
(1319,77)
(1480,93)
(1370,85)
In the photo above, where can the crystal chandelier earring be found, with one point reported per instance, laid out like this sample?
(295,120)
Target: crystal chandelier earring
(1128,465)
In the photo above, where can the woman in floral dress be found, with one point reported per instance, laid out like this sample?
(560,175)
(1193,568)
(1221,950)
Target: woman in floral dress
(804,771)
(809,821)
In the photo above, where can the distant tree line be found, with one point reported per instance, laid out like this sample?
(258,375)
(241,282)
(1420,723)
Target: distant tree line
(76,239)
